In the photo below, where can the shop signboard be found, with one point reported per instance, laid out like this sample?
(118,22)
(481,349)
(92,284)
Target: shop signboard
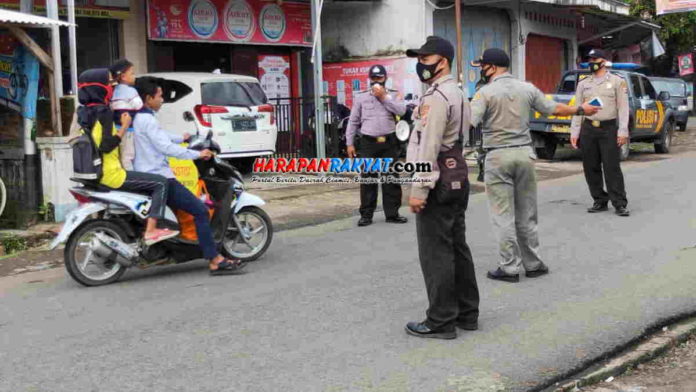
(673,6)
(112,9)
(19,76)
(258,22)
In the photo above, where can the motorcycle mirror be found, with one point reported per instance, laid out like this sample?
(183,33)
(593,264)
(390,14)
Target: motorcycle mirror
(188,117)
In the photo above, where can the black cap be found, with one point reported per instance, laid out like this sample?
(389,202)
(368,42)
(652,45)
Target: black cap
(378,71)
(597,54)
(493,56)
(119,67)
(434,45)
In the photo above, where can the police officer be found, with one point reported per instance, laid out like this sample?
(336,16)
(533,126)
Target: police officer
(373,115)
(503,105)
(445,257)
(602,135)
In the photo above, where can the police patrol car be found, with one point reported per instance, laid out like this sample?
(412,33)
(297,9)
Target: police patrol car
(651,117)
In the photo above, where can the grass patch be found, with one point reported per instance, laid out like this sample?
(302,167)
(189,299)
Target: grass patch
(13,244)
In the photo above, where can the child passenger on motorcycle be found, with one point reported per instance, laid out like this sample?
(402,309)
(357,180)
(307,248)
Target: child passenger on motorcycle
(125,100)
(95,116)
(153,145)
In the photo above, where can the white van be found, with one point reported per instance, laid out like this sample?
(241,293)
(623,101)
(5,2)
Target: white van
(234,107)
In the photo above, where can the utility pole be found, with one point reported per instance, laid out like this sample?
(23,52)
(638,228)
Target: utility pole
(458,17)
(57,79)
(319,114)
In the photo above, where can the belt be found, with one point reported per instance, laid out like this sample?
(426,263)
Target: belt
(378,139)
(600,124)
(505,147)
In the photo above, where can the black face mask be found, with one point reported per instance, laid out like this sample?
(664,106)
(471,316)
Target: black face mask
(485,78)
(426,72)
(594,67)
(372,84)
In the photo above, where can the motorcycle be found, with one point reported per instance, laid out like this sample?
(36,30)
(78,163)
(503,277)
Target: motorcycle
(103,235)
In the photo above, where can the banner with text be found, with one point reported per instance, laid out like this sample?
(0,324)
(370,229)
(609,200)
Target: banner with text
(673,6)
(113,9)
(686,64)
(344,80)
(260,22)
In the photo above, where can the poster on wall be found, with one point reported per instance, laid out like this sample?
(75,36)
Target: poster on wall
(19,76)
(113,9)
(686,64)
(673,6)
(259,22)
(344,80)
(274,75)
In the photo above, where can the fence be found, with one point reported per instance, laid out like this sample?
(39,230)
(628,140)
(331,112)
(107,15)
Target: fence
(296,131)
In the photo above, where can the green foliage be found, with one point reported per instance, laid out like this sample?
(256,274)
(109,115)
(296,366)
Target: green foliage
(13,244)
(678,30)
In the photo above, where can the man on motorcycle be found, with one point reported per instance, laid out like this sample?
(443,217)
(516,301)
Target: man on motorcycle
(153,145)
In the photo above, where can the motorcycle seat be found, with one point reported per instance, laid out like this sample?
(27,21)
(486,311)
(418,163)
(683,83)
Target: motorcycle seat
(91,185)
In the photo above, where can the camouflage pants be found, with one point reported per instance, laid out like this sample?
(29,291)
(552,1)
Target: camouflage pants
(512,196)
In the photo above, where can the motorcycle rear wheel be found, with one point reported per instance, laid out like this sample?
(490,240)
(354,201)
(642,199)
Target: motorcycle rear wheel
(79,258)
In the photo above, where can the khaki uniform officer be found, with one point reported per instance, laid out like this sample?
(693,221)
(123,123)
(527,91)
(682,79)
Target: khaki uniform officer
(602,135)
(503,105)
(445,257)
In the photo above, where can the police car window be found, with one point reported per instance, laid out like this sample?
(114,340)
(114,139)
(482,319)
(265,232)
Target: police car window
(675,88)
(635,85)
(568,84)
(649,89)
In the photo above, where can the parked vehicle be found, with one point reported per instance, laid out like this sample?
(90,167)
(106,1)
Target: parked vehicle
(680,99)
(103,233)
(651,117)
(234,107)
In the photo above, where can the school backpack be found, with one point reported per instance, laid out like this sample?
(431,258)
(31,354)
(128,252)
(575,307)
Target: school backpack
(87,160)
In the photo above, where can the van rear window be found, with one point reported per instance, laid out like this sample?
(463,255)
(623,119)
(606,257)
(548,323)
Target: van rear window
(232,94)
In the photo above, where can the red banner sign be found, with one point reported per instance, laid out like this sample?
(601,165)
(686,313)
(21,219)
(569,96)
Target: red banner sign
(344,80)
(114,9)
(259,22)
(686,64)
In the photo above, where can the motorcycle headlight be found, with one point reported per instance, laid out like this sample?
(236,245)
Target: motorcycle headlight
(238,187)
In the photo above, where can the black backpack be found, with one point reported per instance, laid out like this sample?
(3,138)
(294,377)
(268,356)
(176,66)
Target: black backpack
(87,160)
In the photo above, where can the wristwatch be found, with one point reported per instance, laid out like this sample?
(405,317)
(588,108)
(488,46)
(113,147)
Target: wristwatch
(580,111)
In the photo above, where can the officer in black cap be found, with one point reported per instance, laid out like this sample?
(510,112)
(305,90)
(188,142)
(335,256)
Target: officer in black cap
(601,136)
(442,123)
(373,115)
(502,106)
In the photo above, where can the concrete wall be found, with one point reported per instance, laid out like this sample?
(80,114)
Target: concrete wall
(371,29)
(134,36)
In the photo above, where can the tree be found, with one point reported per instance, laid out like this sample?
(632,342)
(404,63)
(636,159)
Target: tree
(678,32)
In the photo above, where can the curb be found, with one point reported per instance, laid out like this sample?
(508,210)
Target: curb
(655,345)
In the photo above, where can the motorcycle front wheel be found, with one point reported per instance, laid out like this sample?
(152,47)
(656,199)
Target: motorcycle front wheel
(255,236)
(83,264)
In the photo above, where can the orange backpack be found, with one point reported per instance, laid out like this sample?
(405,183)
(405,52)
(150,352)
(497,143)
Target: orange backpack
(186,223)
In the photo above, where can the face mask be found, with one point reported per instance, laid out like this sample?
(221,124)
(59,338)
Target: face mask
(426,72)
(594,67)
(484,77)
(373,84)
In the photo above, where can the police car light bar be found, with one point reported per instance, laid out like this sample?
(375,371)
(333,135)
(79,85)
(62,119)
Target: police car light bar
(617,66)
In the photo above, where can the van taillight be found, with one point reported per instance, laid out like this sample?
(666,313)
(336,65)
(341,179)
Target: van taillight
(81,199)
(268,108)
(203,113)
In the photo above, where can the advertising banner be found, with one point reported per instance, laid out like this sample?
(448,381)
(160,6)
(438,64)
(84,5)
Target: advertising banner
(686,64)
(113,9)
(274,75)
(19,76)
(259,22)
(673,6)
(344,80)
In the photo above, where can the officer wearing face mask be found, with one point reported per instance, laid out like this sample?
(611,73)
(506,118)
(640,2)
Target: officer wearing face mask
(373,115)
(442,121)
(602,135)
(503,105)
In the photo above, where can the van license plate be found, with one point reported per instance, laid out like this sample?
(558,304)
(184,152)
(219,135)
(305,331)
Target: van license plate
(243,125)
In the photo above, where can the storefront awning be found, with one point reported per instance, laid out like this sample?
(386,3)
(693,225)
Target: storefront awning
(617,31)
(28,20)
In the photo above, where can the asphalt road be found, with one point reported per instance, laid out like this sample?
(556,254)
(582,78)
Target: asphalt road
(325,309)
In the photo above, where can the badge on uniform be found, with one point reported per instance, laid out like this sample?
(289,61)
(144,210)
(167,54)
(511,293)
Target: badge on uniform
(381,139)
(596,123)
